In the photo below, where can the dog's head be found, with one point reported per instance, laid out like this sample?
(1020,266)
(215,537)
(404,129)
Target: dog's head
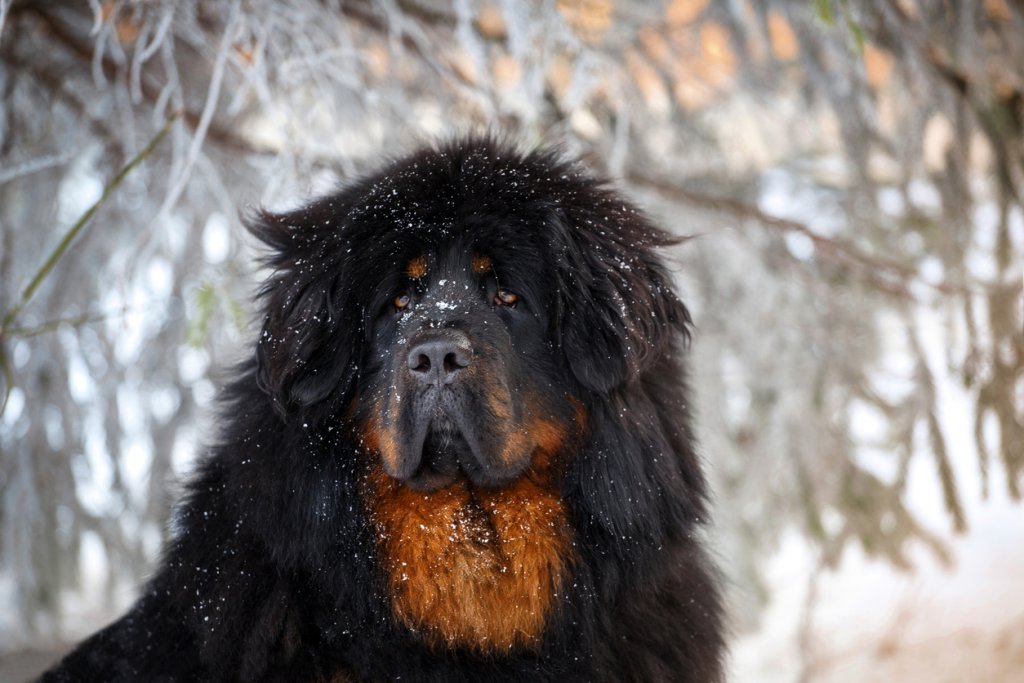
(479,322)
(451,365)
(460,306)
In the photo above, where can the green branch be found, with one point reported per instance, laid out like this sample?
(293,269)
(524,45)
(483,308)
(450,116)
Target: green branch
(6,329)
(69,237)
(51,325)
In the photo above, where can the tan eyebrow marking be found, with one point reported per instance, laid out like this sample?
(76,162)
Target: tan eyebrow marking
(481,264)
(417,268)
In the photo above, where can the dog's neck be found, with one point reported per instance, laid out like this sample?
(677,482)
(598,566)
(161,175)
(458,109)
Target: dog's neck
(476,568)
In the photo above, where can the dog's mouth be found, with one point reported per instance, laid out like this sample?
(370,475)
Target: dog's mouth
(445,452)
(431,439)
(450,438)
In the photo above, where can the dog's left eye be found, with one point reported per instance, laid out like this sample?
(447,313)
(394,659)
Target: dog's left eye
(402,301)
(505,298)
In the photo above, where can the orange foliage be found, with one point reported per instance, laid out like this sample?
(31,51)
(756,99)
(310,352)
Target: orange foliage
(648,82)
(878,65)
(783,40)
(507,72)
(491,23)
(590,19)
(681,12)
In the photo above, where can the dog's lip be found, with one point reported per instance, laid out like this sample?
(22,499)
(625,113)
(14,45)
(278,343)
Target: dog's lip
(465,452)
(436,468)
(439,414)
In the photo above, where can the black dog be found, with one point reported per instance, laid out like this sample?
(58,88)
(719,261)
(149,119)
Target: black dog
(462,451)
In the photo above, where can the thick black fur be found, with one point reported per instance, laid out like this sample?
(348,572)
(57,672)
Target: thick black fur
(271,573)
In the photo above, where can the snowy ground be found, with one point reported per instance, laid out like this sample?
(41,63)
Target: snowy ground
(872,622)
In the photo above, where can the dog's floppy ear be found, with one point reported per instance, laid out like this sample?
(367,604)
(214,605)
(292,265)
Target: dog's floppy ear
(618,312)
(305,351)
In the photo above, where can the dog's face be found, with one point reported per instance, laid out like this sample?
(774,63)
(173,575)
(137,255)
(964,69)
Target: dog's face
(588,304)
(460,378)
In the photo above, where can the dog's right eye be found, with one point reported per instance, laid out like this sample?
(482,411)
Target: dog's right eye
(402,301)
(506,298)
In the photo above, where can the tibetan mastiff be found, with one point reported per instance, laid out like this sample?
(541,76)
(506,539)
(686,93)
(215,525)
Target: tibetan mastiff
(462,450)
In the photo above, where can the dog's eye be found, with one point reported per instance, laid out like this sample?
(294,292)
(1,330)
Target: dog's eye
(505,298)
(402,301)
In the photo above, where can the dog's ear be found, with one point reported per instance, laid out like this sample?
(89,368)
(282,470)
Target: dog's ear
(307,348)
(618,312)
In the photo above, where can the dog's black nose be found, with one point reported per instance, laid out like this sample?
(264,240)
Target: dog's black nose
(438,361)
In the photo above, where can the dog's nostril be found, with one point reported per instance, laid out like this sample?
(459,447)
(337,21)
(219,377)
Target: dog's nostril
(453,362)
(438,361)
(420,363)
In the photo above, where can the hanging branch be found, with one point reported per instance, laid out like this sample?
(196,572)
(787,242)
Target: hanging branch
(149,88)
(884,273)
(58,251)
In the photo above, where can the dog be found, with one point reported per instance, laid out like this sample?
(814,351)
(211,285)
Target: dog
(462,449)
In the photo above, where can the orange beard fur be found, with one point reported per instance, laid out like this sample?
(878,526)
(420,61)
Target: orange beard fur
(472,567)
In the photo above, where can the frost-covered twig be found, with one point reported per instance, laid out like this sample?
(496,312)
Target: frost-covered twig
(33,166)
(5,6)
(65,242)
(212,95)
(884,273)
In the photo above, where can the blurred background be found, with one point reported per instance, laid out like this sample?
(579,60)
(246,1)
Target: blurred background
(850,171)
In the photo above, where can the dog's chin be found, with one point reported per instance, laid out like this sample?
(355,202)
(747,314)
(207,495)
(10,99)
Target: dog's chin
(440,463)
